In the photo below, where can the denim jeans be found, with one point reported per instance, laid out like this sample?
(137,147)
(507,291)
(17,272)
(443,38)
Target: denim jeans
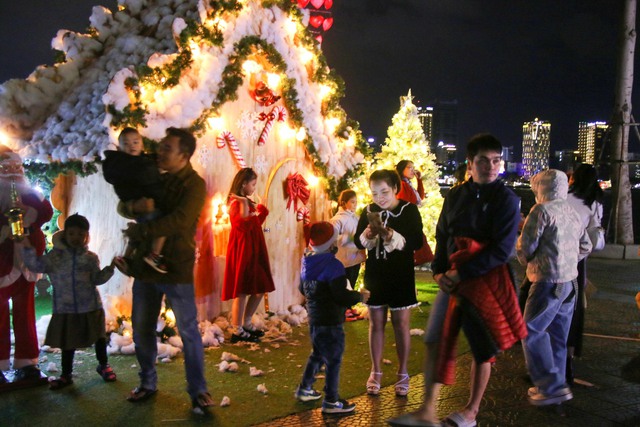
(328,346)
(548,313)
(147,300)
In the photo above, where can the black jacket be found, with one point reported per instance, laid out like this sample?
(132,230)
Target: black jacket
(324,284)
(132,177)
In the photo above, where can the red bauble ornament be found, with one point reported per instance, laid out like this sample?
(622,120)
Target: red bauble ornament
(328,4)
(303,3)
(316,21)
(327,23)
(317,3)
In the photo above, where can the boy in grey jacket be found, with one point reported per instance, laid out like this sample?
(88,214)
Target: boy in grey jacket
(552,242)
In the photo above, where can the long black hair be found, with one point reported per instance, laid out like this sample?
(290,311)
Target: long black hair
(243,176)
(401,166)
(585,184)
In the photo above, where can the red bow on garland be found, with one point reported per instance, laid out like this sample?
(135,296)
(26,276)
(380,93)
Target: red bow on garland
(297,189)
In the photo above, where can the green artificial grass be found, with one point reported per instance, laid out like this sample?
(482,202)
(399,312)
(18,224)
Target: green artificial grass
(91,401)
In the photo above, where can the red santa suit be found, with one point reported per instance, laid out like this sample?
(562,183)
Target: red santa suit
(16,281)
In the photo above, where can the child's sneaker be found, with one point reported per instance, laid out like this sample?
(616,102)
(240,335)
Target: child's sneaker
(60,382)
(106,373)
(307,394)
(155,261)
(338,407)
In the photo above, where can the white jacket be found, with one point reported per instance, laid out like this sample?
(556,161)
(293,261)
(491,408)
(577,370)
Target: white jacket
(553,237)
(346,223)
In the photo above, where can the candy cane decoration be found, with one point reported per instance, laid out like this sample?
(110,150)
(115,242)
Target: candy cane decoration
(225,138)
(303,215)
(277,113)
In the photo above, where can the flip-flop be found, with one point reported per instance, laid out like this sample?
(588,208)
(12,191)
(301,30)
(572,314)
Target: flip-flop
(458,420)
(408,420)
(140,394)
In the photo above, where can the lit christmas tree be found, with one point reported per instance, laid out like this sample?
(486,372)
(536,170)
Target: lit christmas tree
(406,141)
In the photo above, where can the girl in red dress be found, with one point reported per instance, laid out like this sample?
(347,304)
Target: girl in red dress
(247,275)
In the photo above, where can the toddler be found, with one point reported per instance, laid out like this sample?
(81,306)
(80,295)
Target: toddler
(78,317)
(135,175)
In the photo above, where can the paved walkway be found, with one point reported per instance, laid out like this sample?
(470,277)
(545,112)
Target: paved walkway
(609,371)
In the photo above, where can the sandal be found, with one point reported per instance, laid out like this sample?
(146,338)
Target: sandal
(140,394)
(402,386)
(61,382)
(201,403)
(106,373)
(373,386)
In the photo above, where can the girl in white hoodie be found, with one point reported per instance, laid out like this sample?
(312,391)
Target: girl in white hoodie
(345,222)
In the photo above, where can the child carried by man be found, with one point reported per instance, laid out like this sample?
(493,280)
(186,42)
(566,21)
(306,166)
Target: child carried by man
(135,175)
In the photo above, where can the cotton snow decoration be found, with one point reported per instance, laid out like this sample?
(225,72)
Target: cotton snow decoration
(416,331)
(175,341)
(166,350)
(233,367)
(255,372)
(225,401)
(92,78)
(262,388)
(52,367)
(223,366)
(128,349)
(230,357)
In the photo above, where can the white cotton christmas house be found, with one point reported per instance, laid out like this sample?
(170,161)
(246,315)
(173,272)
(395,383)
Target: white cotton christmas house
(245,76)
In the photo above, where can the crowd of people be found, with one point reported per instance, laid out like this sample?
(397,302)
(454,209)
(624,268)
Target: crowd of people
(479,230)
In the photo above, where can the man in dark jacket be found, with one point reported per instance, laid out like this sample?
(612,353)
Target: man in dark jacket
(184,196)
(323,282)
(484,214)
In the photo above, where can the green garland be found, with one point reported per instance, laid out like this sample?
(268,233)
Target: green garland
(233,76)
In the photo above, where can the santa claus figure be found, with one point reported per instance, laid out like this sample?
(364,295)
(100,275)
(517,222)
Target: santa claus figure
(16,281)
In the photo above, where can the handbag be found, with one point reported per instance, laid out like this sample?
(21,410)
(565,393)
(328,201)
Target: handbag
(424,254)
(595,230)
(596,235)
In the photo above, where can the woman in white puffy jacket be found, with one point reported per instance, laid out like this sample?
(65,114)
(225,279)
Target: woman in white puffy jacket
(345,222)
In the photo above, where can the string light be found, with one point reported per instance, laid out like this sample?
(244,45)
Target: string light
(216,123)
(273,80)
(332,123)
(312,180)
(301,134)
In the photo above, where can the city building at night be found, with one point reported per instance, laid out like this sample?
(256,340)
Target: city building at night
(445,123)
(566,160)
(535,146)
(425,114)
(591,141)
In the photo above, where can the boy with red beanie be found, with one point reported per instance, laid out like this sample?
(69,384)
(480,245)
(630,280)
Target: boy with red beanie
(323,282)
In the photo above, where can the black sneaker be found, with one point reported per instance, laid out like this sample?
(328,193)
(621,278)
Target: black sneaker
(244,336)
(307,394)
(338,407)
(3,379)
(27,373)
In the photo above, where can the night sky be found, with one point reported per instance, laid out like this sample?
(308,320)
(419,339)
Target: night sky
(505,62)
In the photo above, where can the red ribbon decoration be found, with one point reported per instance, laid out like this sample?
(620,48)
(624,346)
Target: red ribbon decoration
(297,188)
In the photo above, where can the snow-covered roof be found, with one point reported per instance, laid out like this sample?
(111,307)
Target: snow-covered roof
(59,112)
